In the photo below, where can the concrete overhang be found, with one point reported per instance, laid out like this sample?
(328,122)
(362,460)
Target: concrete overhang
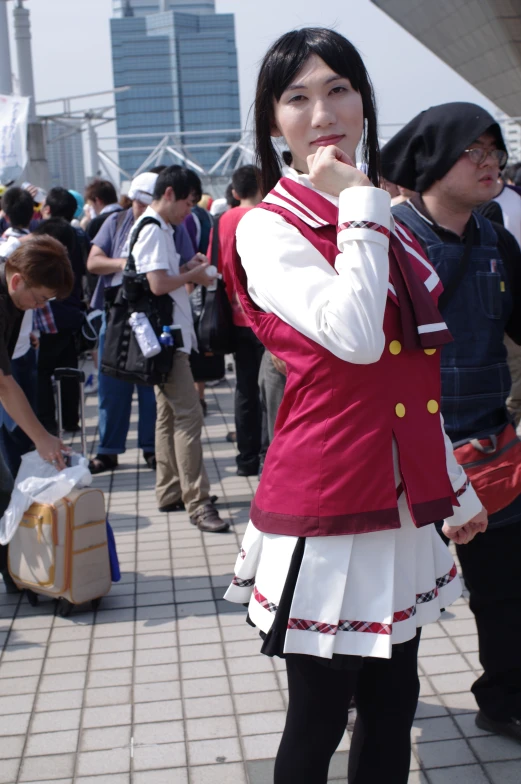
(479,39)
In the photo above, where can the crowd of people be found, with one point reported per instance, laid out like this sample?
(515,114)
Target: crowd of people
(353,290)
(96,231)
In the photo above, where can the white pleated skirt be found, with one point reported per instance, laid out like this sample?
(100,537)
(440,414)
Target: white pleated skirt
(355,595)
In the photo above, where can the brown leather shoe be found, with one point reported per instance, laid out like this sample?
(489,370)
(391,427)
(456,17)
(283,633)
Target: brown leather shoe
(207,518)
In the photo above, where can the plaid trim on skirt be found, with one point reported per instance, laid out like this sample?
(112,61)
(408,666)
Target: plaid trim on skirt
(354,595)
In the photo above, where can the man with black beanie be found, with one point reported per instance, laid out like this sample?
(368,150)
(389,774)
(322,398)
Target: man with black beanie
(451,156)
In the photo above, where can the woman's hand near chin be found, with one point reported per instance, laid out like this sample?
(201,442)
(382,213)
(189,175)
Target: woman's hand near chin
(331,171)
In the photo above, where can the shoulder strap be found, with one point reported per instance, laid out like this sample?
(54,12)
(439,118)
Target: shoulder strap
(408,217)
(131,264)
(121,215)
(214,250)
(458,276)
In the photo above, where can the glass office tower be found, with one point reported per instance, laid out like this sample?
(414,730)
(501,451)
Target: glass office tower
(182,68)
(143,7)
(65,154)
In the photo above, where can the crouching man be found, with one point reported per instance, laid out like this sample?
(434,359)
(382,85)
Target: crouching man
(39,270)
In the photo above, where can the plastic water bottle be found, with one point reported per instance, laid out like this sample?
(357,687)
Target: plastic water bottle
(145,335)
(166,338)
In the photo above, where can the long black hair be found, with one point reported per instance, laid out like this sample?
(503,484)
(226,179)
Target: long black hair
(281,64)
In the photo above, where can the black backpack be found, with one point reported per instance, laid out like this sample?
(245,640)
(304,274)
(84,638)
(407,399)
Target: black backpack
(212,312)
(122,358)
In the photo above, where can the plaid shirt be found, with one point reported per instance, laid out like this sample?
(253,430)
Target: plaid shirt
(44,320)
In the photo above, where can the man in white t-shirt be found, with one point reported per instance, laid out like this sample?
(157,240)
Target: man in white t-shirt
(181,476)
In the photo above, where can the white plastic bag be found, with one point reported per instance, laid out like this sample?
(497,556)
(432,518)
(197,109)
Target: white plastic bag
(38,480)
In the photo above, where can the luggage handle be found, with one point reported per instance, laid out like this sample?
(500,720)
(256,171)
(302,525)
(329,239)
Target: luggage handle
(79,375)
(60,373)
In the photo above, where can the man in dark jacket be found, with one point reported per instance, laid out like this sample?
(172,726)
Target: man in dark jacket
(60,324)
(451,156)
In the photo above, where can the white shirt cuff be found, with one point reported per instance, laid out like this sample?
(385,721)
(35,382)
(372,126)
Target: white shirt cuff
(469,506)
(364,214)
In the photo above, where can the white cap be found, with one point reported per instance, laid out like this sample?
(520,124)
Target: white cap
(142,187)
(218,207)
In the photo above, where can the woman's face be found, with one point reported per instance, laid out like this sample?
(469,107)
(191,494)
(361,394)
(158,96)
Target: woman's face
(319,108)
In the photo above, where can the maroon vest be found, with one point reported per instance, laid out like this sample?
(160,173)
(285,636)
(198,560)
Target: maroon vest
(329,470)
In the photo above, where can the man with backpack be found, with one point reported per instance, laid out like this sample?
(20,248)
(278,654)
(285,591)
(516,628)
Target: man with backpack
(450,156)
(107,259)
(181,475)
(102,199)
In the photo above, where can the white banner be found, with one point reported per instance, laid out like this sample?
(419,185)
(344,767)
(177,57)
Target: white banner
(13,136)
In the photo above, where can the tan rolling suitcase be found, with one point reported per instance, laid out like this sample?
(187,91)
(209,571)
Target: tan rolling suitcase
(61,549)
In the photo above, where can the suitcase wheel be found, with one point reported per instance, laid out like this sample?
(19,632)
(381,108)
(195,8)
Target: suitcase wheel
(95,603)
(64,608)
(32,598)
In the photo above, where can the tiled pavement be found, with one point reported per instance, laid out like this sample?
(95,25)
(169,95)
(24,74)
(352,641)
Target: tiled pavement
(165,684)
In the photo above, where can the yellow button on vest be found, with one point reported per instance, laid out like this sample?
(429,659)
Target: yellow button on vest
(395,347)
(432,407)
(430,351)
(400,410)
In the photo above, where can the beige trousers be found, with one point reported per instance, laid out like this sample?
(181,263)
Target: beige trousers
(180,469)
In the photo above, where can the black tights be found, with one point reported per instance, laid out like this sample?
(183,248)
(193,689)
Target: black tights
(386,694)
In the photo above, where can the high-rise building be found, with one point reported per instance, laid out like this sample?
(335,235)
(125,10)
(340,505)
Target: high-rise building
(65,154)
(144,7)
(182,70)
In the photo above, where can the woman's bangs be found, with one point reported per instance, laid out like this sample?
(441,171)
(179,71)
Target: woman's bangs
(337,53)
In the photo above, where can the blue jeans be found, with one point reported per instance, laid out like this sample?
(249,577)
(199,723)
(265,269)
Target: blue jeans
(115,404)
(13,441)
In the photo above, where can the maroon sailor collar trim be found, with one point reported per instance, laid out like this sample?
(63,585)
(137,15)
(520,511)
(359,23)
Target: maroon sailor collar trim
(316,211)
(421,320)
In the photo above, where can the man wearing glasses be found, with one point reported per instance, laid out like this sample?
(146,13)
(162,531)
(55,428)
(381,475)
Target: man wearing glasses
(451,157)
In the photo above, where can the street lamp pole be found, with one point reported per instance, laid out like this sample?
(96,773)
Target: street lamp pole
(37,169)
(93,147)
(22,34)
(6,79)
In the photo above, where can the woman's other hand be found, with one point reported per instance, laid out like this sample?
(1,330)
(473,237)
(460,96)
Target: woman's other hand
(466,533)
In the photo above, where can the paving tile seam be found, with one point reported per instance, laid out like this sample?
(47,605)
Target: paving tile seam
(464,737)
(90,646)
(35,696)
(221,636)
(135,633)
(181,689)
(178,533)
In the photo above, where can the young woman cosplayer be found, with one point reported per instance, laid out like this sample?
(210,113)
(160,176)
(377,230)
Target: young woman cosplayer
(341,563)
